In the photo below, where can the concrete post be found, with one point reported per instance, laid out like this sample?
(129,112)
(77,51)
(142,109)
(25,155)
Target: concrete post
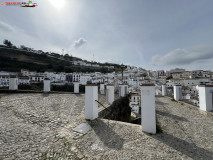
(102,89)
(177,92)
(46,85)
(91,106)
(13,83)
(148,115)
(206,97)
(126,90)
(76,87)
(122,90)
(164,90)
(110,93)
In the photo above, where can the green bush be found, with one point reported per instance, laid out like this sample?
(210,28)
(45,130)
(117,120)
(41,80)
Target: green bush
(62,88)
(173,100)
(158,128)
(120,110)
(67,88)
(33,86)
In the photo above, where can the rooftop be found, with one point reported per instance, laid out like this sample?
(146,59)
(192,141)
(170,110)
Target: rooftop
(40,126)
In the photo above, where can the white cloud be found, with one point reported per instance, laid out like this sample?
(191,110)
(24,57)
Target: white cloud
(184,56)
(80,42)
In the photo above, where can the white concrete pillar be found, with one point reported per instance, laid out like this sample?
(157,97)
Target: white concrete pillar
(121,90)
(46,85)
(206,97)
(177,92)
(164,90)
(110,93)
(76,87)
(148,116)
(91,104)
(126,89)
(13,83)
(102,89)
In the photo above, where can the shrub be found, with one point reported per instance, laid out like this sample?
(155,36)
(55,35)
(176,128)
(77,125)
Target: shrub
(158,127)
(173,100)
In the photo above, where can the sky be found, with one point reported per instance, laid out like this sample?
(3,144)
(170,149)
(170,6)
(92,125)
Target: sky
(152,34)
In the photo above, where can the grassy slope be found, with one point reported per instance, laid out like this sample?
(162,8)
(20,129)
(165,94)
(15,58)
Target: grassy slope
(14,60)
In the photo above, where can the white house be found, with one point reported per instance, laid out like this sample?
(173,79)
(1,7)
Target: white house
(135,101)
(76,77)
(84,78)
(24,80)
(4,78)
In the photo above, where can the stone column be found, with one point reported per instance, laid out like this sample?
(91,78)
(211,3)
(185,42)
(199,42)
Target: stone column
(126,90)
(91,105)
(76,87)
(102,89)
(110,93)
(164,90)
(206,97)
(122,90)
(148,115)
(13,83)
(46,85)
(177,92)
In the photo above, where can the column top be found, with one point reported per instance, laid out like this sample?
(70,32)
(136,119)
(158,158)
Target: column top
(110,85)
(177,85)
(208,85)
(46,79)
(147,84)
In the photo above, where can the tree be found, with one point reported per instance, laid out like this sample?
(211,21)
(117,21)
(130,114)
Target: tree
(23,47)
(8,43)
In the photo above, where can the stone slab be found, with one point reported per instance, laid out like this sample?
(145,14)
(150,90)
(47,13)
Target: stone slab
(82,128)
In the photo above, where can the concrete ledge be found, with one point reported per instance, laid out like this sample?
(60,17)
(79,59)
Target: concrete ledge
(6,91)
(192,106)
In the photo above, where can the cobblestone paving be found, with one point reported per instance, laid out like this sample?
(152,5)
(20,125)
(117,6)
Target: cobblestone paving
(39,126)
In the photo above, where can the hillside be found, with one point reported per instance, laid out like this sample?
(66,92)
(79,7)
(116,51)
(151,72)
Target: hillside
(15,60)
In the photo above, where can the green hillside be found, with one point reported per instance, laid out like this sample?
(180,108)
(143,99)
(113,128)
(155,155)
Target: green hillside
(15,60)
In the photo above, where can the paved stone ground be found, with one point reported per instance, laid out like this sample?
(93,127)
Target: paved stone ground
(39,126)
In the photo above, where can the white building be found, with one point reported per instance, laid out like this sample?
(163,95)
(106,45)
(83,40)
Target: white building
(36,79)
(76,77)
(4,78)
(24,80)
(135,101)
(84,78)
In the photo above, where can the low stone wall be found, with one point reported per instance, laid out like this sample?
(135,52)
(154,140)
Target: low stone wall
(7,91)
(119,110)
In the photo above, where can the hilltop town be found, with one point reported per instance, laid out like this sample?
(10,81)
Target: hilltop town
(131,76)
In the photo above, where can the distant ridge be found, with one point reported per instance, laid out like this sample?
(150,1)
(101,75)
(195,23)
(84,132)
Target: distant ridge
(13,59)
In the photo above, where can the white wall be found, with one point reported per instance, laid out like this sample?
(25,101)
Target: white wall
(148,109)
(46,85)
(13,83)
(76,87)
(206,98)
(110,94)
(91,106)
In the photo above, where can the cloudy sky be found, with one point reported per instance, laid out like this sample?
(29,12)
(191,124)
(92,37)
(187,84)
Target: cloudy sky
(153,34)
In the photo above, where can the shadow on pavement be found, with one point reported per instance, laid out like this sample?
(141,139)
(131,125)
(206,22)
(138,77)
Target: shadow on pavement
(175,117)
(106,134)
(189,149)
